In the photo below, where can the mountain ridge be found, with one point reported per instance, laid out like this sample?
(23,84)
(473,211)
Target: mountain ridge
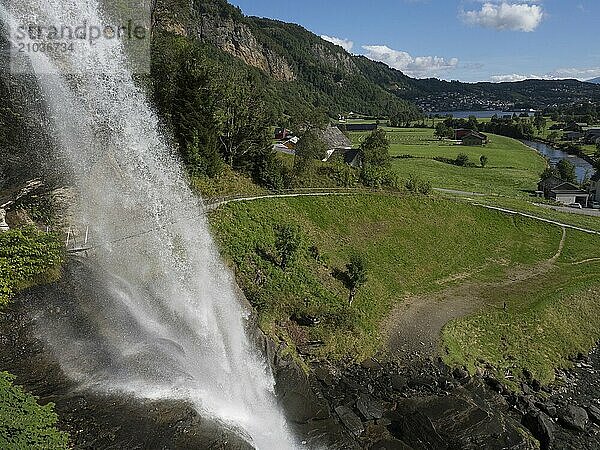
(325,75)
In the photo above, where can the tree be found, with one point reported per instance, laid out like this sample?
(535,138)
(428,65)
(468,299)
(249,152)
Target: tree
(553,136)
(549,172)
(442,131)
(566,171)
(462,160)
(309,148)
(375,149)
(356,271)
(244,122)
(483,160)
(472,123)
(539,122)
(287,243)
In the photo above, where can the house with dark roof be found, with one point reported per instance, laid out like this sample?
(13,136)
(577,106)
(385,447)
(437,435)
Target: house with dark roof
(282,134)
(352,157)
(568,193)
(359,127)
(592,135)
(474,138)
(549,183)
(573,135)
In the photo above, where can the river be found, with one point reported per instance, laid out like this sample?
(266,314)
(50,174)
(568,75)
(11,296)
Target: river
(582,167)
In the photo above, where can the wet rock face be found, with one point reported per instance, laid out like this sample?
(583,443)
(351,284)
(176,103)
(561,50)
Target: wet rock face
(101,421)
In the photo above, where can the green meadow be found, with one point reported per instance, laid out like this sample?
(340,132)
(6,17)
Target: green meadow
(512,169)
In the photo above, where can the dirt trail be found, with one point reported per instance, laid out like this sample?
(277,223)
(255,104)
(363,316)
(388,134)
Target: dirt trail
(413,329)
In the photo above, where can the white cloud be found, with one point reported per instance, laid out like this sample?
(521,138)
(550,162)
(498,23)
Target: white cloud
(559,74)
(523,16)
(415,66)
(346,44)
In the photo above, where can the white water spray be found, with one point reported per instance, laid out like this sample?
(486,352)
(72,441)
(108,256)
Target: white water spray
(175,327)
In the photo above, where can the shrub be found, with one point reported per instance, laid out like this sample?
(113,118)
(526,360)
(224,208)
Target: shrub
(287,243)
(378,177)
(24,423)
(416,185)
(27,256)
(462,160)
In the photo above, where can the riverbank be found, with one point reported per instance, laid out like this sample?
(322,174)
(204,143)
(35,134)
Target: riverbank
(566,148)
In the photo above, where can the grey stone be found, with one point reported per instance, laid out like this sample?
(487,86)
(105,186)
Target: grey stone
(573,417)
(594,414)
(350,420)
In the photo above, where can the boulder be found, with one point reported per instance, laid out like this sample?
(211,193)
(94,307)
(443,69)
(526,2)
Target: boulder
(350,420)
(460,373)
(594,414)
(573,417)
(541,428)
(415,429)
(390,444)
(369,407)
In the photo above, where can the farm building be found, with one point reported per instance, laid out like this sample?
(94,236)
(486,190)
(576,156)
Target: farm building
(549,183)
(359,127)
(334,139)
(460,133)
(474,138)
(568,193)
(352,157)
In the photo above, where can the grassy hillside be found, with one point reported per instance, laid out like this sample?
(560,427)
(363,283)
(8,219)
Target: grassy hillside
(512,168)
(409,244)
(548,318)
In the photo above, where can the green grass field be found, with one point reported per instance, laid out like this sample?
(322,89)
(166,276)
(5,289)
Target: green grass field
(410,243)
(513,169)
(548,318)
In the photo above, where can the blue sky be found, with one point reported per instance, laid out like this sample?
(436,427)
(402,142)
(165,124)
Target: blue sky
(467,40)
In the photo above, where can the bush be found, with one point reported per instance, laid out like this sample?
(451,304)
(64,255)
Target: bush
(462,160)
(25,424)
(378,177)
(344,175)
(287,243)
(26,257)
(416,185)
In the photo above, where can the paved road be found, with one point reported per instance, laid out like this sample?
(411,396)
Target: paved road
(214,205)
(455,192)
(541,219)
(566,209)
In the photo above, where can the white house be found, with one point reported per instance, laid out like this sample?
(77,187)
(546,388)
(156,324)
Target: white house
(568,193)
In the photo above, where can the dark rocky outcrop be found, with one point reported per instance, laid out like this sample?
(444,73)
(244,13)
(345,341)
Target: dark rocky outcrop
(573,417)
(541,427)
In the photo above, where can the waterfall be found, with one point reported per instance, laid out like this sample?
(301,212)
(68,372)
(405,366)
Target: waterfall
(170,325)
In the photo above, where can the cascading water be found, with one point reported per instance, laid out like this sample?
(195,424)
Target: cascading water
(173,327)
